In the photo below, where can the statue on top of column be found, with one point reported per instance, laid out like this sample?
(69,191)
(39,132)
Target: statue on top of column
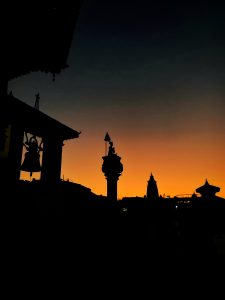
(111,150)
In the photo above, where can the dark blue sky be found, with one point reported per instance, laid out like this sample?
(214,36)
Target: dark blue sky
(162,53)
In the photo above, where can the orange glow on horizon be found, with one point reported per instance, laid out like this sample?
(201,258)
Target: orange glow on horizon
(178,165)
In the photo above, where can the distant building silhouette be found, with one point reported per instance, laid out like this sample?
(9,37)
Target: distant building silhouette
(207,190)
(152,189)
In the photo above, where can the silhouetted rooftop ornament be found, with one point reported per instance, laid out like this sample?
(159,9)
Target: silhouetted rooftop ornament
(207,189)
(36,104)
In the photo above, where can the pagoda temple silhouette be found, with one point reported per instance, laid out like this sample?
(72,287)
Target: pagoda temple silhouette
(18,118)
(208,190)
(45,50)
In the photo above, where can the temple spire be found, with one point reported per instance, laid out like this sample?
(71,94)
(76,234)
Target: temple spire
(152,189)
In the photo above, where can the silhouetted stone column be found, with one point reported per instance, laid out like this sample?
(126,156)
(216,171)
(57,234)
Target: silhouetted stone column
(51,160)
(112,168)
(112,188)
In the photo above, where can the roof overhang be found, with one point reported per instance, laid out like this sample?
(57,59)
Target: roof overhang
(31,120)
(37,36)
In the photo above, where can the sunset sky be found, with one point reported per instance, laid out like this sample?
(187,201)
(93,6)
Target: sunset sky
(153,76)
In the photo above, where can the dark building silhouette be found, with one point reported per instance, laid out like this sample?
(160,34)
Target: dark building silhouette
(152,189)
(112,168)
(207,190)
(37,37)
(18,118)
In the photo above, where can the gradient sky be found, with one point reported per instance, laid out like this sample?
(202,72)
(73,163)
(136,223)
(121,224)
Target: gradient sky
(153,76)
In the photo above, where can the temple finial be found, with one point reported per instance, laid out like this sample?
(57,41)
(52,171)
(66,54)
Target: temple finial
(36,104)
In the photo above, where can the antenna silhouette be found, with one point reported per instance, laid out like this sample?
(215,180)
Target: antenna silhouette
(36,104)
